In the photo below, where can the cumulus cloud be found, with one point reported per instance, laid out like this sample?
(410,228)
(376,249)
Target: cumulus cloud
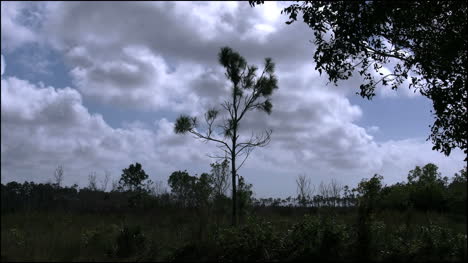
(15,32)
(43,127)
(141,63)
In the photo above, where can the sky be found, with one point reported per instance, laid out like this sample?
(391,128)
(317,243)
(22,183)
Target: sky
(97,86)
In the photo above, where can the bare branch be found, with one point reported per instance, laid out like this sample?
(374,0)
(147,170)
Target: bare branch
(260,141)
(304,190)
(92,181)
(249,150)
(384,54)
(58,175)
(105,181)
(209,138)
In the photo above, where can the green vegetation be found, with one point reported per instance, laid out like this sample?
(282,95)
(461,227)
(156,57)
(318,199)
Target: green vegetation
(423,219)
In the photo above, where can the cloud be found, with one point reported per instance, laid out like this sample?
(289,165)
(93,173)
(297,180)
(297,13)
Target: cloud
(15,32)
(43,127)
(3,65)
(142,64)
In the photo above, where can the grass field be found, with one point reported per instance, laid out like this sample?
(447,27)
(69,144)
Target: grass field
(59,236)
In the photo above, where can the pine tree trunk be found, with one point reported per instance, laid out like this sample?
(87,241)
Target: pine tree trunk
(234,190)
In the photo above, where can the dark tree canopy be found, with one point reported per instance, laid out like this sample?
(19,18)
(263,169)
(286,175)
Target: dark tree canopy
(132,178)
(191,190)
(423,42)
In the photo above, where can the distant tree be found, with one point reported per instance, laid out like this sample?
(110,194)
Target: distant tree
(304,189)
(191,190)
(249,93)
(461,176)
(335,191)
(132,178)
(457,191)
(204,189)
(369,192)
(158,189)
(92,181)
(427,174)
(324,193)
(422,41)
(115,186)
(396,196)
(105,181)
(183,187)
(58,176)
(348,196)
(427,187)
(220,174)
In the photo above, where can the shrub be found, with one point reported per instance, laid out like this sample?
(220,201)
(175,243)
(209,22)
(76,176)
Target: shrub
(194,252)
(254,241)
(17,236)
(129,241)
(99,240)
(425,243)
(316,238)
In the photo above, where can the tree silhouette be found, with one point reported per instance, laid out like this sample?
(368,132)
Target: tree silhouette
(58,176)
(427,187)
(105,181)
(132,178)
(304,189)
(249,93)
(423,41)
(183,187)
(220,174)
(92,181)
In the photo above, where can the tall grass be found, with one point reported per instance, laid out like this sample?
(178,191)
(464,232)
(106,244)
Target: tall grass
(267,235)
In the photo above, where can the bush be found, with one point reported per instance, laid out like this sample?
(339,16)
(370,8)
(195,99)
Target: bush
(17,236)
(99,240)
(425,243)
(317,238)
(129,241)
(254,241)
(194,252)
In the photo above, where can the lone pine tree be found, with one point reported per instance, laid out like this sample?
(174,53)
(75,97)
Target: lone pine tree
(249,92)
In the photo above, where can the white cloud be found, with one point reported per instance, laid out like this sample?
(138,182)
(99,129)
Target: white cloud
(43,127)
(14,32)
(141,63)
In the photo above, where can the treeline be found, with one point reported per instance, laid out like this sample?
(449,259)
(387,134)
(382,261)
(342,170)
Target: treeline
(425,190)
